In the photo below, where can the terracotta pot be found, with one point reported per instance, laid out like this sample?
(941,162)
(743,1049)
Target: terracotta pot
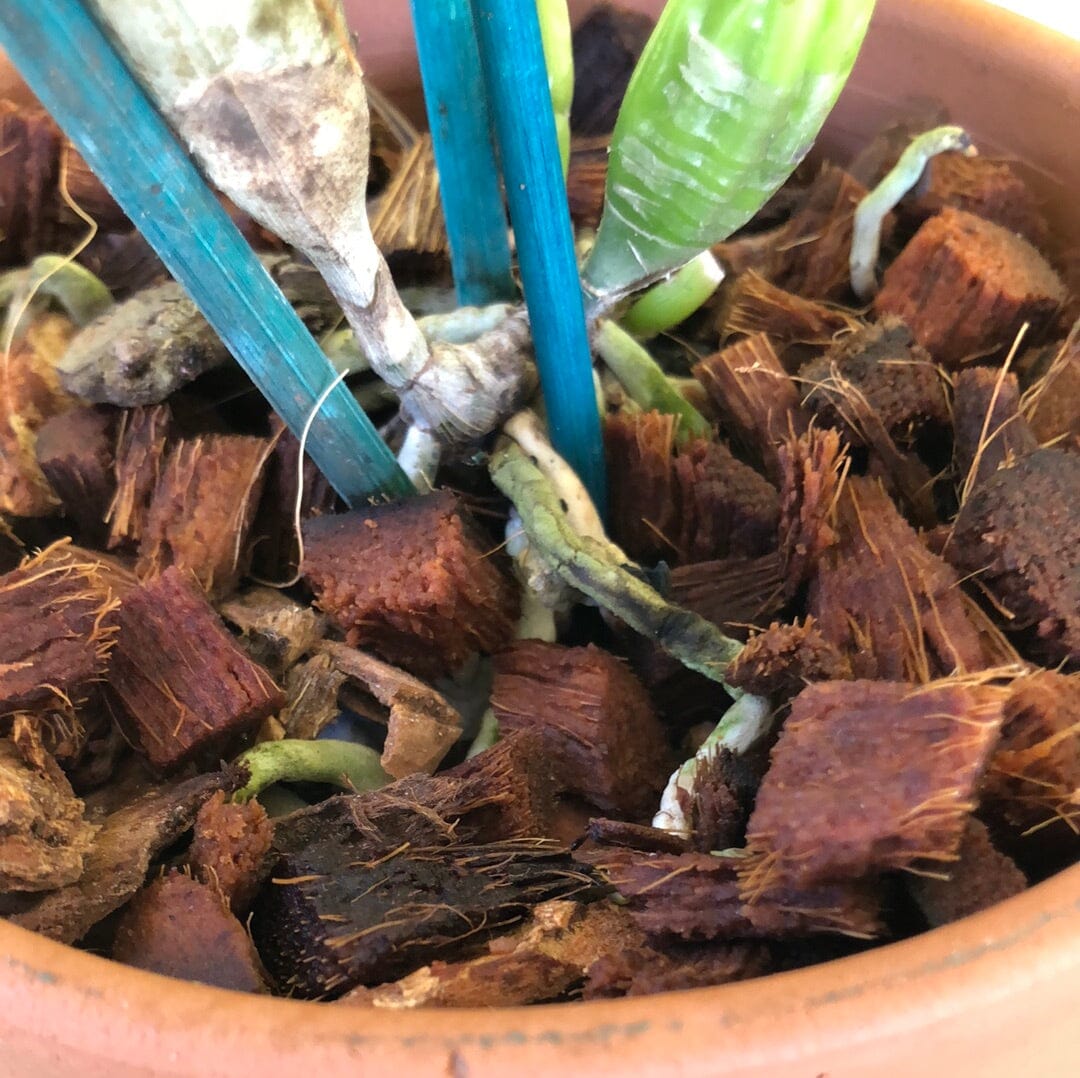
(992,995)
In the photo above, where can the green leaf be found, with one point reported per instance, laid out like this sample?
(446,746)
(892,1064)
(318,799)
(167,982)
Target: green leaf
(727,98)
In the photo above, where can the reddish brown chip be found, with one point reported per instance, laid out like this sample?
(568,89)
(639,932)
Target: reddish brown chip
(726,508)
(813,466)
(965,286)
(140,458)
(183,928)
(1034,776)
(755,396)
(781,660)
(894,608)
(816,245)
(410,581)
(980,878)
(57,625)
(586,179)
(697,897)
(230,847)
(869,776)
(599,725)
(1052,401)
(183,685)
(202,507)
(644,970)
(755,305)
(31,142)
(979,185)
(642,497)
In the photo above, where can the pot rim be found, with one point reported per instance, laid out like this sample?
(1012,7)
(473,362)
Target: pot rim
(1001,962)
(1016,965)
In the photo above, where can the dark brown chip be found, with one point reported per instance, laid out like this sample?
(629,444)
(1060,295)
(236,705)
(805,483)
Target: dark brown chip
(539,961)
(988,429)
(507,791)
(229,849)
(607,44)
(182,928)
(869,776)
(965,286)
(410,581)
(275,550)
(183,686)
(731,592)
(891,606)
(76,451)
(339,914)
(118,859)
(1019,531)
(881,363)
(781,660)
(599,726)
(980,878)
(694,897)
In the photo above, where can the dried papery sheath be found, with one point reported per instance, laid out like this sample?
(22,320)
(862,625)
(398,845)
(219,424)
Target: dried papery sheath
(270,101)
(726,100)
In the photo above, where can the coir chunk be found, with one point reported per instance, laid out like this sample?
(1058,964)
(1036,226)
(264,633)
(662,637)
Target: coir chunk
(182,684)
(596,718)
(1020,531)
(410,581)
(965,286)
(869,776)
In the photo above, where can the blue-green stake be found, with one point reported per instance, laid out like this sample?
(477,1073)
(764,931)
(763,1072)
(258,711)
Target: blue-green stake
(512,56)
(77,75)
(469,185)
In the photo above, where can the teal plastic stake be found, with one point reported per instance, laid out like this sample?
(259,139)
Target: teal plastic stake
(516,77)
(72,67)
(472,197)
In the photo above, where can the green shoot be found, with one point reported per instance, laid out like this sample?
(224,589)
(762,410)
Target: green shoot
(339,763)
(554,19)
(645,382)
(673,300)
(726,100)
